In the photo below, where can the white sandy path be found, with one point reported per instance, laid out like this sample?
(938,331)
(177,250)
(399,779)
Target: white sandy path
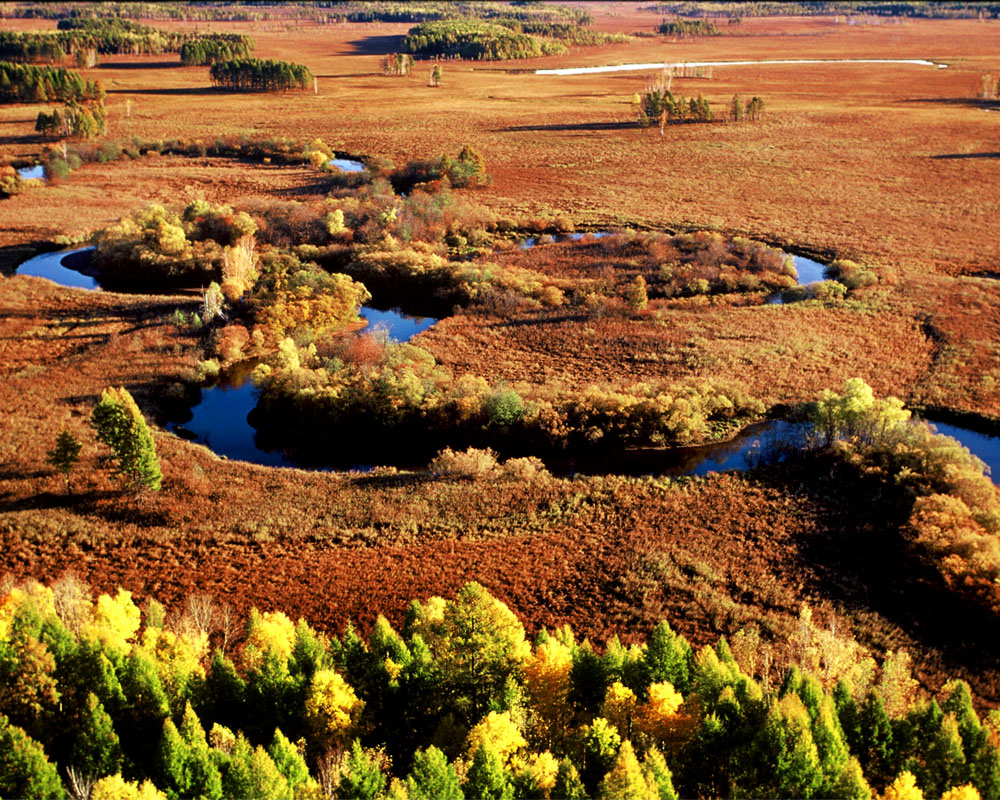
(677,64)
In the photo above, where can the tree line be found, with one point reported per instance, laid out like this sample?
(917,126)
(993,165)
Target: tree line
(25,83)
(685,28)
(114,37)
(259,75)
(474,40)
(107,699)
(217,47)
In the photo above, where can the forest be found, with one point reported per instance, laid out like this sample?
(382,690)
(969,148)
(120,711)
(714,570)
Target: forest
(194,702)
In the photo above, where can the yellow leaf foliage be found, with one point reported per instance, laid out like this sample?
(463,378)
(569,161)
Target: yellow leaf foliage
(499,733)
(115,622)
(33,593)
(539,770)
(966,792)
(658,715)
(114,787)
(270,633)
(178,658)
(546,678)
(619,707)
(332,707)
(903,788)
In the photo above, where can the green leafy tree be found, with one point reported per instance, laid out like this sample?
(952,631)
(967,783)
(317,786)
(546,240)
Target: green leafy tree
(120,425)
(436,75)
(487,779)
(25,771)
(627,780)
(65,455)
(568,783)
(288,760)
(363,779)
(432,777)
(97,751)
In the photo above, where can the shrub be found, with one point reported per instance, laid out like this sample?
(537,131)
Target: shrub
(471,463)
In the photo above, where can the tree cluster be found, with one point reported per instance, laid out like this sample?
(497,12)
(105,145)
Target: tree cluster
(260,75)
(954,511)
(477,41)
(79,120)
(397,64)
(684,28)
(126,702)
(217,47)
(658,105)
(109,37)
(24,83)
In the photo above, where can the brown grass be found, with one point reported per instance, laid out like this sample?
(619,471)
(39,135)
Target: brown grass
(845,162)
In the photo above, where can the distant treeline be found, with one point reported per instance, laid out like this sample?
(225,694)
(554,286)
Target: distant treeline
(23,83)
(480,41)
(936,10)
(332,11)
(682,27)
(259,75)
(218,47)
(437,11)
(115,37)
(56,45)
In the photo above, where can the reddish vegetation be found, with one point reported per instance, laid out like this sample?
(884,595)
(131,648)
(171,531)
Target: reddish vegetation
(845,162)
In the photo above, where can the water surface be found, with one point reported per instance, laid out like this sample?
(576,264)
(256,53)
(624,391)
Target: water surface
(35,173)
(347,164)
(62,267)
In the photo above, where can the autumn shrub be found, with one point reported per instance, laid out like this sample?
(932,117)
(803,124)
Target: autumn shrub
(155,244)
(853,275)
(471,463)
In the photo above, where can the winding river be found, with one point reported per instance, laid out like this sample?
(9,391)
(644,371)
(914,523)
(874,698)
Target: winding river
(219,419)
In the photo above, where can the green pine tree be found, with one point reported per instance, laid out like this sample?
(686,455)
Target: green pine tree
(363,779)
(25,771)
(120,425)
(432,777)
(65,455)
(97,751)
(487,779)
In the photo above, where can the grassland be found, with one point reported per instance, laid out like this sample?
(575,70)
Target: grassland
(893,166)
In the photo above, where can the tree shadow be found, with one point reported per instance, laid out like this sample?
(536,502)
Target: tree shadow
(969,102)
(142,65)
(27,138)
(951,156)
(178,91)
(571,126)
(377,45)
(861,562)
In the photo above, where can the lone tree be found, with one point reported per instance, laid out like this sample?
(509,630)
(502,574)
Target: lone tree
(436,75)
(120,425)
(64,455)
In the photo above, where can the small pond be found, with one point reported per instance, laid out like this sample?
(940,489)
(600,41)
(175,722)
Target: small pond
(35,173)
(809,271)
(62,267)
(347,164)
